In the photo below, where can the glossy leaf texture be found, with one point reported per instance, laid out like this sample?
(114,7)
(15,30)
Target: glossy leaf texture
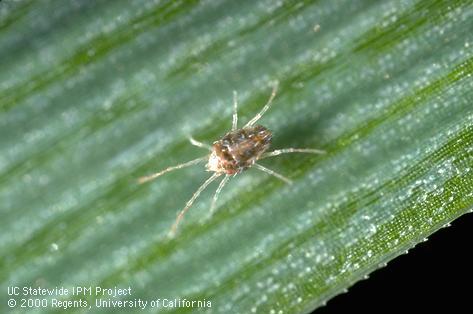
(95,94)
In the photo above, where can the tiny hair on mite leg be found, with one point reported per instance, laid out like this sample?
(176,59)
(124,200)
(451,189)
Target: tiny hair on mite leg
(236,151)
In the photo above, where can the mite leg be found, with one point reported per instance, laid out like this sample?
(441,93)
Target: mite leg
(183,165)
(235,111)
(292,150)
(189,203)
(217,193)
(265,108)
(273,173)
(199,144)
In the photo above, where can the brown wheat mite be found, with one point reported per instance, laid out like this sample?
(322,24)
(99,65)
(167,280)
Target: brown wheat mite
(235,152)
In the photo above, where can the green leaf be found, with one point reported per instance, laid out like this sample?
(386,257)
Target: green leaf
(95,94)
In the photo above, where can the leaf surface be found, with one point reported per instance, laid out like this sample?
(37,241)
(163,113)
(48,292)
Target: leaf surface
(95,94)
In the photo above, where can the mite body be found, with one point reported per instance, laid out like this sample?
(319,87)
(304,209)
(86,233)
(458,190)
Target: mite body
(236,151)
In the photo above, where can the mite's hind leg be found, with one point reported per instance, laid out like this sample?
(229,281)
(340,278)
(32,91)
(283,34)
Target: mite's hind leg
(273,173)
(199,144)
(292,150)
(189,203)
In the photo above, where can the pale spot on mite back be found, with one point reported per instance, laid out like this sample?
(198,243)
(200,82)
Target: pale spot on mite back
(237,151)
